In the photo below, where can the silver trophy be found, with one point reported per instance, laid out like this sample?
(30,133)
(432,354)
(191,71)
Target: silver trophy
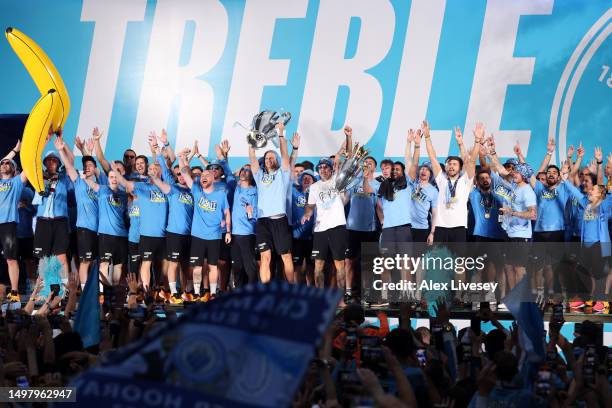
(263,128)
(351,168)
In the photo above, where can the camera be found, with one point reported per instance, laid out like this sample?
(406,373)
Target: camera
(590,364)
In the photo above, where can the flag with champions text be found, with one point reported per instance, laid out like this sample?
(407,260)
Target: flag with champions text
(250,347)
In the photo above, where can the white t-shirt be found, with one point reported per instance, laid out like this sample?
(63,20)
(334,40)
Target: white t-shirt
(330,208)
(453,213)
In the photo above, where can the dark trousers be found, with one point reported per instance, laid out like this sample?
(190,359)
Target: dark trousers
(243,259)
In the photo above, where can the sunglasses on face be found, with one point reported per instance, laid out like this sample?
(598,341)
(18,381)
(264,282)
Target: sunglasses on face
(8,163)
(129,156)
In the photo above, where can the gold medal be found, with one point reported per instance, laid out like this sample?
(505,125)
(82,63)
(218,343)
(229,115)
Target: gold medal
(453,199)
(487,215)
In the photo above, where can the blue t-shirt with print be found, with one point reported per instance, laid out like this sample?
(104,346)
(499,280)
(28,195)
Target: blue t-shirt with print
(87,205)
(54,204)
(153,205)
(10,195)
(397,212)
(134,216)
(181,210)
(551,207)
(424,198)
(362,212)
(26,214)
(523,198)
(298,205)
(271,192)
(241,223)
(487,226)
(113,207)
(208,213)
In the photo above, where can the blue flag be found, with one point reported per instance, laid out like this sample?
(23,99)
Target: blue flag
(520,302)
(248,348)
(87,321)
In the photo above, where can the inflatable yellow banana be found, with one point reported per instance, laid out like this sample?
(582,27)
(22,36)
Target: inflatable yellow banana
(42,71)
(35,137)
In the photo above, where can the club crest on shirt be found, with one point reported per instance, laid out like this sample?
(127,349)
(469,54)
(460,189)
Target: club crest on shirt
(503,192)
(157,197)
(206,204)
(5,187)
(419,195)
(301,201)
(185,198)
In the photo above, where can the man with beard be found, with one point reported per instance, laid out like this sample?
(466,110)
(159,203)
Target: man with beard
(272,230)
(302,233)
(87,209)
(450,222)
(488,233)
(11,187)
(330,222)
(211,222)
(153,206)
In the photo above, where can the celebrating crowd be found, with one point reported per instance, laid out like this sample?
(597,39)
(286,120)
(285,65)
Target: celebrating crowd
(190,232)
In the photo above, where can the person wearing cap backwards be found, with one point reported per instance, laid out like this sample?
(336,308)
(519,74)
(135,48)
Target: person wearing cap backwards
(52,229)
(87,209)
(302,233)
(11,187)
(517,217)
(454,183)
(153,205)
(211,223)
(272,228)
(330,222)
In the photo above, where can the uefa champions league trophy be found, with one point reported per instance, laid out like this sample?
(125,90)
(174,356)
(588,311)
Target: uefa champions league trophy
(263,128)
(351,167)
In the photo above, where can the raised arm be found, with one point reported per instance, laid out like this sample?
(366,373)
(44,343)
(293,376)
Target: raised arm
(295,145)
(166,148)
(348,133)
(408,154)
(153,146)
(60,146)
(11,155)
(482,157)
(283,147)
(253,160)
(68,155)
(550,150)
(162,185)
(431,152)
(470,159)
(573,175)
(128,184)
(497,166)
(185,170)
(92,184)
(459,138)
(599,161)
(416,155)
(519,153)
(96,134)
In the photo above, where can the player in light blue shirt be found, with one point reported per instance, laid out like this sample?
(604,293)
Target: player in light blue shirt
(272,230)
(244,218)
(211,221)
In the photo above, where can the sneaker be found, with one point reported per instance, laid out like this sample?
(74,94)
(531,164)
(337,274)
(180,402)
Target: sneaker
(501,307)
(176,299)
(187,297)
(205,297)
(163,296)
(576,304)
(13,298)
(599,306)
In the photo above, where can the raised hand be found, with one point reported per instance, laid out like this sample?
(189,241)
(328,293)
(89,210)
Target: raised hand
(96,134)
(550,146)
(425,129)
(580,150)
(479,132)
(185,152)
(417,136)
(348,131)
(196,149)
(281,128)
(17,147)
(598,154)
(517,149)
(295,140)
(570,151)
(458,135)
(410,136)
(58,143)
(78,143)
(565,168)
(592,166)
(89,146)
(225,148)
(164,137)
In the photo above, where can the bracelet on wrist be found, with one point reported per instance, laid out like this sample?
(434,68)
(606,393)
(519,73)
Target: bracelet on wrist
(132,294)
(166,144)
(416,146)
(294,148)
(14,151)
(599,162)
